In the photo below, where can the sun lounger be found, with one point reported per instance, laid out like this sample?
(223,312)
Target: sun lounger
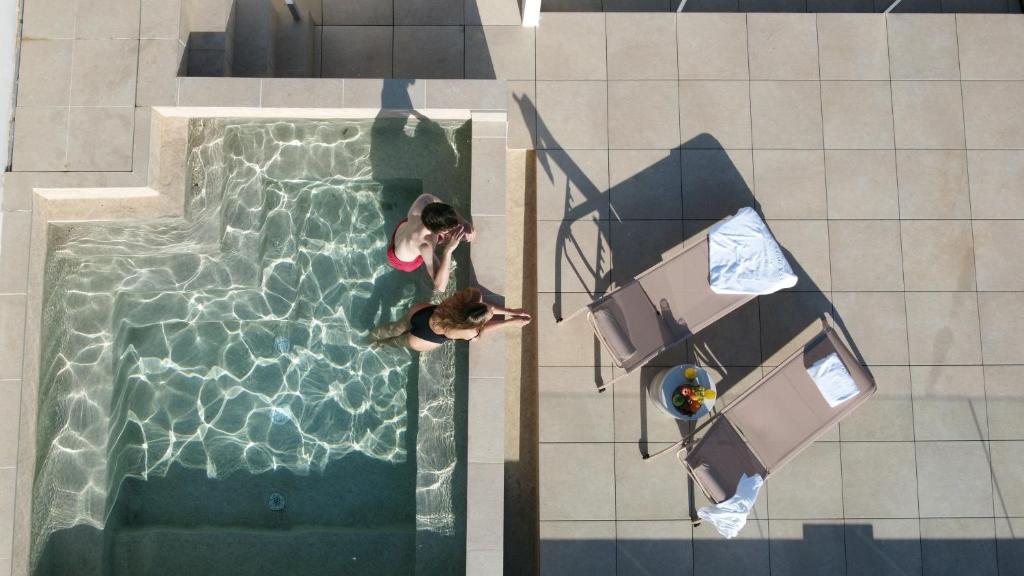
(769,424)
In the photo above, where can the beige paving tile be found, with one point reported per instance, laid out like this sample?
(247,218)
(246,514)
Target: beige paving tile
(638,422)
(7,482)
(853,47)
(484,506)
(357,51)
(719,108)
(716,182)
(507,52)
(968,481)
(485,430)
(974,552)
(301,93)
(44,72)
(788,321)
(938,255)
(1005,402)
(933,184)
(641,46)
(1010,553)
(1007,470)
(11,389)
(572,184)
(571,47)
(643,114)
(734,340)
(572,115)
(805,243)
(861,184)
(786,114)
(47,19)
(985,41)
(943,328)
(104,72)
(646,547)
(889,416)
(653,489)
(492,12)
(12,334)
(990,114)
(712,46)
(810,486)
(115,153)
(577,481)
(877,323)
(158,71)
(996,255)
(1001,315)
(747,554)
(645,184)
(429,52)
(790,183)
(572,342)
(159,19)
(949,403)
(923,47)
(358,12)
(782,46)
(883,546)
(805,546)
(928,114)
(15,228)
(995,176)
(466,94)
(879,480)
(574,256)
(640,245)
(571,408)
(522,113)
(568,547)
(107,18)
(429,12)
(40,139)
(857,115)
(367,93)
(218,91)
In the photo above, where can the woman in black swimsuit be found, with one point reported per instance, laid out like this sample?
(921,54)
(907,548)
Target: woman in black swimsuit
(462,316)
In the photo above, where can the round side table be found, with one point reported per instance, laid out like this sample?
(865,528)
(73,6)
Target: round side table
(666,382)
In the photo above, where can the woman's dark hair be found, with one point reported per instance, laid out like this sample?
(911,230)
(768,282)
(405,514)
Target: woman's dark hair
(476,313)
(438,217)
(464,309)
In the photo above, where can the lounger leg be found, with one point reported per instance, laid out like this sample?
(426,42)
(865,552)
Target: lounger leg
(666,450)
(573,315)
(605,386)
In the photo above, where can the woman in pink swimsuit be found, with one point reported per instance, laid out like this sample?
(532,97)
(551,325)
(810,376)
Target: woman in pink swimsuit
(431,224)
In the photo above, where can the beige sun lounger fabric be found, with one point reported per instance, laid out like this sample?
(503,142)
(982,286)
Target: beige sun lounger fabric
(773,421)
(661,308)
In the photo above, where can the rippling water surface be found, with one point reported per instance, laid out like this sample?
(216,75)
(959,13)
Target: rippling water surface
(233,340)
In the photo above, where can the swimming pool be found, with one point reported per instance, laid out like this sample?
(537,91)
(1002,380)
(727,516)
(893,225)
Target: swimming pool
(207,400)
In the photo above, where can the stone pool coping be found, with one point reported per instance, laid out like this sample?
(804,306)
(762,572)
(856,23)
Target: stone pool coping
(163,196)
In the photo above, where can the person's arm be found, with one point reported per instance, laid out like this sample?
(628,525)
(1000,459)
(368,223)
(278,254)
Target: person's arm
(467,227)
(517,312)
(421,202)
(443,265)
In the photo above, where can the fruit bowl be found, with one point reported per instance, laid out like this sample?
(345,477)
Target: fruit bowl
(672,381)
(690,397)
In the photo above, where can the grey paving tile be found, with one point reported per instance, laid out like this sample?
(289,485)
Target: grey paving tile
(1001,314)
(840,6)
(11,389)
(996,257)
(572,115)
(574,6)
(484,505)
(107,18)
(572,342)
(653,547)
(577,481)
(933,184)
(429,51)
(790,183)
(1005,402)
(645,184)
(786,114)
(40,139)
(810,486)
(782,46)
(571,47)
(712,46)
(880,547)
(467,94)
(985,41)
(301,93)
(47,19)
(522,113)
(788,321)
(745,555)
(732,341)
(580,252)
(577,547)
(943,328)
(357,51)
(638,422)
(1008,543)
(158,71)
(879,480)
(401,94)
(44,73)
(12,334)
(218,92)
(643,114)
(806,245)
(990,114)
(641,46)
(636,6)
(928,114)
(958,546)
(653,489)
(492,12)
(1007,471)
(853,47)
(507,52)
(116,152)
(14,251)
(857,115)
(889,416)
(716,182)
(429,13)
(923,47)
(980,6)
(571,409)
(358,12)
(861,184)
(995,176)
(104,72)
(719,108)
(572,184)
(7,485)
(877,322)
(953,480)
(159,19)
(949,403)
(806,547)
(640,245)
(938,255)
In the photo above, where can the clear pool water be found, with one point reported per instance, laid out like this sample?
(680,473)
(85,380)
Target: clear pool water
(208,402)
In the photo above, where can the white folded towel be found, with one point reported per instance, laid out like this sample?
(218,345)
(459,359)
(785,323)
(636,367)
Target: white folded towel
(730,516)
(833,380)
(744,258)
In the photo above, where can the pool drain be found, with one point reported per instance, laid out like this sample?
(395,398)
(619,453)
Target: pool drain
(278,416)
(276,501)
